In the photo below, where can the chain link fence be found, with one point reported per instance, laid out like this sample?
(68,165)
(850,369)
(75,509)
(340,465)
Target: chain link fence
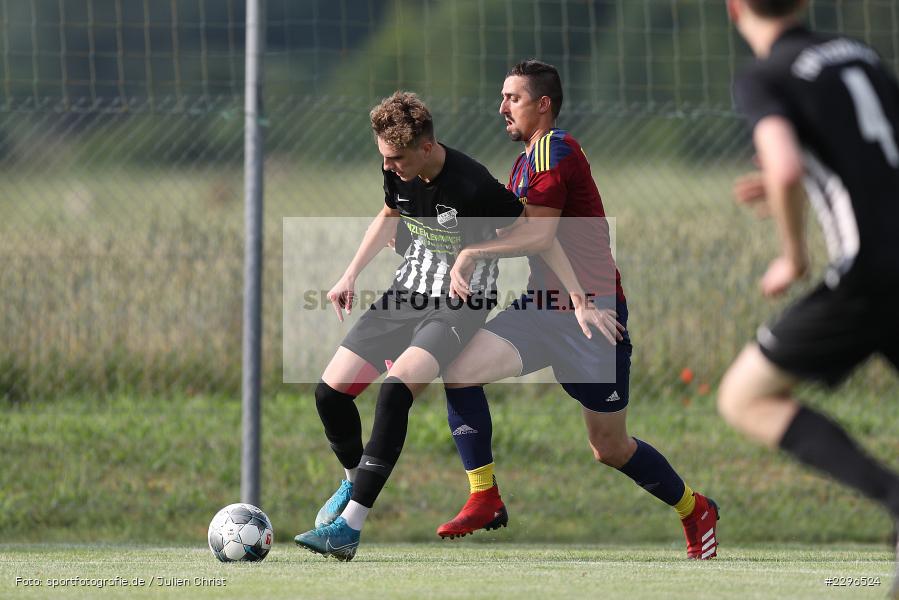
(121,143)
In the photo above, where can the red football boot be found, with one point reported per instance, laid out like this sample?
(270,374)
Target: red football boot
(699,529)
(484,510)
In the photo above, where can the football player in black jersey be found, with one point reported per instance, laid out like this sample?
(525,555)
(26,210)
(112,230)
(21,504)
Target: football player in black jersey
(824,112)
(445,200)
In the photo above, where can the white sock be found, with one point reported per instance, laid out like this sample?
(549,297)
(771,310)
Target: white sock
(355,515)
(350,474)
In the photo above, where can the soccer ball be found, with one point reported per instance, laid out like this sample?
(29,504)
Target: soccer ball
(240,532)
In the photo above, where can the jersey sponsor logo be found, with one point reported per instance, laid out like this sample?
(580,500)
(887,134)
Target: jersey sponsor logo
(464,430)
(446,216)
(435,240)
(814,59)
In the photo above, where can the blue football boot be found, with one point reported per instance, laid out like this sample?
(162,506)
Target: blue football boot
(337,539)
(335,504)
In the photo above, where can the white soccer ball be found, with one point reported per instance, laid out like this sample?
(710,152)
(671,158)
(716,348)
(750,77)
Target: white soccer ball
(240,532)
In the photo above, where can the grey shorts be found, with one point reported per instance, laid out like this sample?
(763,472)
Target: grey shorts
(400,319)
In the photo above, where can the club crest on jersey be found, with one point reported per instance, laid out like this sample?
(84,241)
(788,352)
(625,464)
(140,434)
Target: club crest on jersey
(446,216)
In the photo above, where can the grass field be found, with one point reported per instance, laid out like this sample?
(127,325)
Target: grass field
(156,469)
(465,569)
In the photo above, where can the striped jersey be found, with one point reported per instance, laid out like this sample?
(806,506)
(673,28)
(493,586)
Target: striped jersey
(462,205)
(844,105)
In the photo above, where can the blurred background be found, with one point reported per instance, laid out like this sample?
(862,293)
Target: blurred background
(121,253)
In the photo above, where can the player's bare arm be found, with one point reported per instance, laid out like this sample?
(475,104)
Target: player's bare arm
(532,233)
(605,320)
(378,234)
(779,156)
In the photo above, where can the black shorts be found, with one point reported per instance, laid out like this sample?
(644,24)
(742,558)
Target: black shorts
(400,319)
(592,371)
(824,335)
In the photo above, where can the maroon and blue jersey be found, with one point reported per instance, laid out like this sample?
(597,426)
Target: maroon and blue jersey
(556,174)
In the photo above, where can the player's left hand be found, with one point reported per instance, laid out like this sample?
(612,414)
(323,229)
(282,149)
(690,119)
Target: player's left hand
(749,191)
(460,276)
(605,320)
(781,274)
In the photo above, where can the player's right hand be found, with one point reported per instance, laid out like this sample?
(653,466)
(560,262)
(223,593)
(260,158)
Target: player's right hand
(342,296)
(605,320)
(781,274)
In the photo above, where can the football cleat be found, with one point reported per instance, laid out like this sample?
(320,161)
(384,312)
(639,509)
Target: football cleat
(699,529)
(336,539)
(335,504)
(483,510)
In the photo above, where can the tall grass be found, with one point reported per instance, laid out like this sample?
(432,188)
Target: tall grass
(107,284)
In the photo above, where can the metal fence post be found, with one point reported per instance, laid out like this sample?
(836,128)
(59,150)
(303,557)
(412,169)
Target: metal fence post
(252,310)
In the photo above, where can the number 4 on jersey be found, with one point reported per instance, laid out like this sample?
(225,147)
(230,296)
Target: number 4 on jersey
(872,123)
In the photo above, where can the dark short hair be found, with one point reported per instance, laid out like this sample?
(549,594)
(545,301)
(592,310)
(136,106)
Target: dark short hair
(543,80)
(402,120)
(774,8)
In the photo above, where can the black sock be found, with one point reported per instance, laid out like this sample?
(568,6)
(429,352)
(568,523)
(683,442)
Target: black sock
(343,428)
(820,443)
(388,434)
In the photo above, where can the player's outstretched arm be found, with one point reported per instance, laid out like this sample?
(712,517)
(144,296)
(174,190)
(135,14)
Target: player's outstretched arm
(781,163)
(604,320)
(381,231)
(532,233)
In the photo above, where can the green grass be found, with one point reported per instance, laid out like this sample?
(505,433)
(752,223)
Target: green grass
(119,279)
(156,469)
(451,570)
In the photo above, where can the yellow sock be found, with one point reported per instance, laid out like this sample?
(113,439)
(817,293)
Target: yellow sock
(686,504)
(481,479)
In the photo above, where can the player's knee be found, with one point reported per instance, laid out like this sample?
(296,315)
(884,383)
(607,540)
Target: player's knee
(734,397)
(326,396)
(612,453)
(458,374)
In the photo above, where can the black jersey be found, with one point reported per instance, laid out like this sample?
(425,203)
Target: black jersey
(464,204)
(844,105)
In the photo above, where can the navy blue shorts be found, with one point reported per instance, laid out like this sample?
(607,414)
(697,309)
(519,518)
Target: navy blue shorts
(592,371)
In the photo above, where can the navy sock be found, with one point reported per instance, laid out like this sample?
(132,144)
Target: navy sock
(652,472)
(469,420)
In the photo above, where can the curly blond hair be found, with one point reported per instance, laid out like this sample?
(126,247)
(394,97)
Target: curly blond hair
(402,120)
